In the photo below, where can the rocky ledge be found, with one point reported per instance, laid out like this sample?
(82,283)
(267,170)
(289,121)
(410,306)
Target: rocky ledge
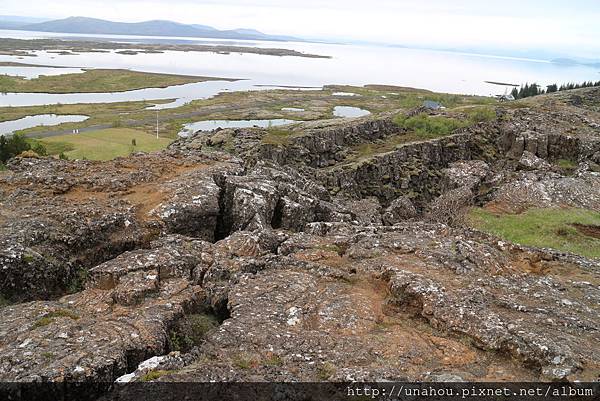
(193,264)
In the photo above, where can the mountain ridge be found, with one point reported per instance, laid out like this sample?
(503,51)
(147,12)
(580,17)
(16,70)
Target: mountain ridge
(86,25)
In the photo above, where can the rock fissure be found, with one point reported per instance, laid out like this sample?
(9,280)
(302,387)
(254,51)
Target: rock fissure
(304,259)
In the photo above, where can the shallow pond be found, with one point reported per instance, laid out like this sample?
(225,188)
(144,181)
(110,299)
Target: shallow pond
(211,125)
(8,127)
(347,111)
(347,94)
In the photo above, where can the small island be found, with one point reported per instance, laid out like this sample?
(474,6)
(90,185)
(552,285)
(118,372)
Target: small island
(97,81)
(26,47)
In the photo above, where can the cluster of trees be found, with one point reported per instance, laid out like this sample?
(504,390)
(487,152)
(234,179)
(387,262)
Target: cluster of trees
(535,89)
(15,145)
(569,86)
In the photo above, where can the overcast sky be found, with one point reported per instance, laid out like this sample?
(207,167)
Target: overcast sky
(571,27)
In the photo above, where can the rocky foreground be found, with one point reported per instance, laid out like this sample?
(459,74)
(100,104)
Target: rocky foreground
(233,257)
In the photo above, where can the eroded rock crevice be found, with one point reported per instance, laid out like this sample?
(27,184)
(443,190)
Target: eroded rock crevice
(298,261)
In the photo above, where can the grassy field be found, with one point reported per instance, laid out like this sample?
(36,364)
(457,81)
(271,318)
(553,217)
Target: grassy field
(430,127)
(104,144)
(100,80)
(98,112)
(245,105)
(570,230)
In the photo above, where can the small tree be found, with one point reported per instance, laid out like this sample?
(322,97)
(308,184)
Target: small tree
(39,149)
(17,145)
(4,151)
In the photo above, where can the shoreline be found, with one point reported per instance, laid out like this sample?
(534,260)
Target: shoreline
(25,47)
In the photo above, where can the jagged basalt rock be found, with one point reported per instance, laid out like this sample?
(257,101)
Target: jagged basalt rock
(400,209)
(267,197)
(465,173)
(291,262)
(121,319)
(529,161)
(63,218)
(546,189)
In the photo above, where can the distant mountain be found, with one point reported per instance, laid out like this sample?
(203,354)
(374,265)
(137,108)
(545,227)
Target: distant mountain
(10,25)
(148,28)
(22,20)
(205,27)
(14,22)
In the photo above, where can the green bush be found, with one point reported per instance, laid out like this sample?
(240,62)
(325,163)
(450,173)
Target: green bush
(429,126)
(191,331)
(480,114)
(155,374)
(12,146)
(39,149)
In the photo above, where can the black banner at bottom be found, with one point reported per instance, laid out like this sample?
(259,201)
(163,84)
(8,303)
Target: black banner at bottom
(384,391)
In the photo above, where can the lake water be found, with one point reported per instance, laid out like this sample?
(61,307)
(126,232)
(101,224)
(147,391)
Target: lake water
(349,65)
(8,127)
(346,111)
(211,125)
(346,94)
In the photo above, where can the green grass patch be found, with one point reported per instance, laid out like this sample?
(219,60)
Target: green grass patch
(243,361)
(49,317)
(277,136)
(428,127)
(478,114)
(325,371)
(424,126)
(98,112)
(92,81)
(55,147)
(566,164)
(569,230)
(273,360)
(202,324)
(191,331)
(408,98)
(27,258)
(155,374)
(104,144)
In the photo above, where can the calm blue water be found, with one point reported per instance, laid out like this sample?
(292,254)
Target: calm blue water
(346,111)
(211,125)
(350,64)
(8,127)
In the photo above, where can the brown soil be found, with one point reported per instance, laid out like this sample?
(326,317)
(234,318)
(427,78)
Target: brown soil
(145,197)
(410,341)
(590,231)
